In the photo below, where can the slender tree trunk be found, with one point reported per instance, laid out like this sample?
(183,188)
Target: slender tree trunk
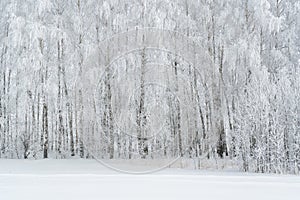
(45,130)
(178,111)
(141,118)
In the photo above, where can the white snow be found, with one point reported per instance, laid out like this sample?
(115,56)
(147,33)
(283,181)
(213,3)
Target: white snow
(86,179)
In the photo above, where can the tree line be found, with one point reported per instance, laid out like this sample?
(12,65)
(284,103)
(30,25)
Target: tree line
(244,106)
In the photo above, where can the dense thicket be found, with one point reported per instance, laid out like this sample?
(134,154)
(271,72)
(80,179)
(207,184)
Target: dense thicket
(245,105)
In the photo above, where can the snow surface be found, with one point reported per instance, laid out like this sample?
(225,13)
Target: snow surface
(86,179)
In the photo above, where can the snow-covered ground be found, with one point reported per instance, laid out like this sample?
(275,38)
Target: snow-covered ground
(86,179)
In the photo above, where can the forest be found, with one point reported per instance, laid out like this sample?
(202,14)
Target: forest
(160,79)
